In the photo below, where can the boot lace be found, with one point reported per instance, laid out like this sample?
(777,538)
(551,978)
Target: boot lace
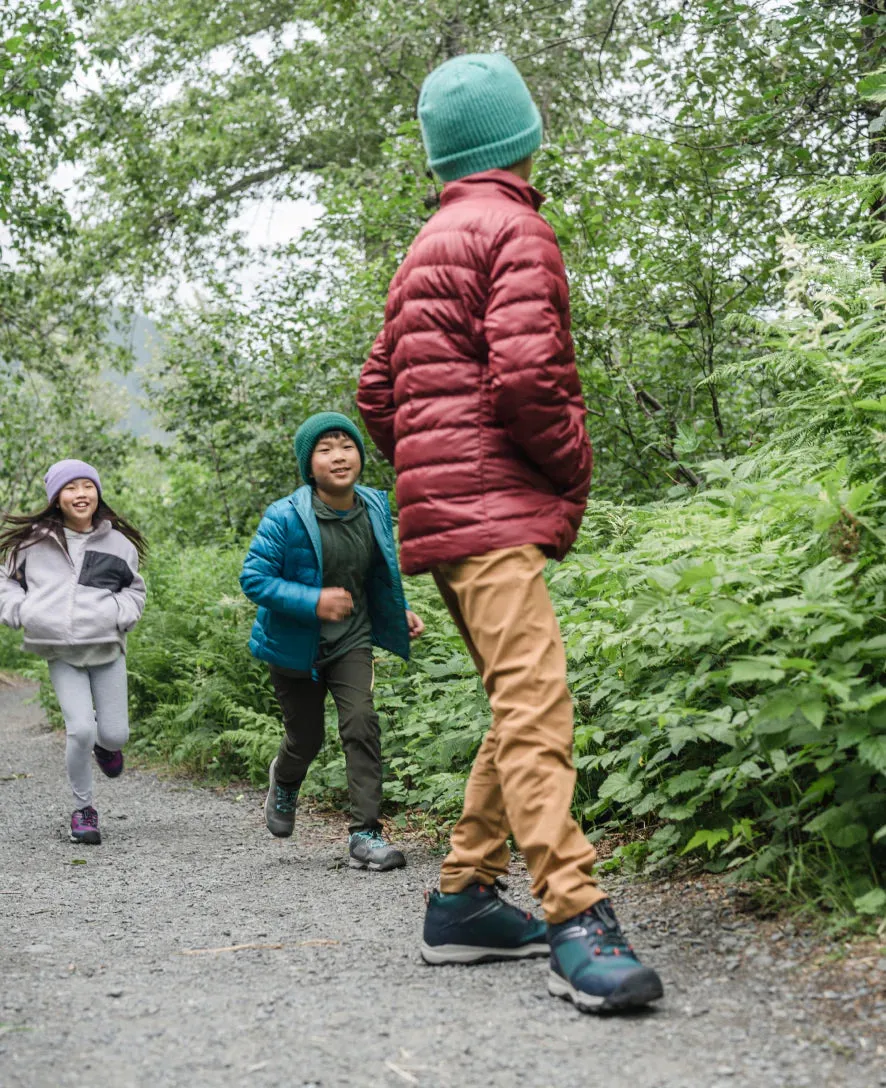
(372,839)
(285,799)
(605,932)
(495,890)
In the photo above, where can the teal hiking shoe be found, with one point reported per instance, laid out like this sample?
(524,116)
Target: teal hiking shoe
(477,926)
(594,967)
(368,850)
(280,805)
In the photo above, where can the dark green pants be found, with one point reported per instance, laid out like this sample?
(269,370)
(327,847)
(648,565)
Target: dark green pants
(349,679)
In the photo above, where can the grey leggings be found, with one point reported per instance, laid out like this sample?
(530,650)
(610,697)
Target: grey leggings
(93,702)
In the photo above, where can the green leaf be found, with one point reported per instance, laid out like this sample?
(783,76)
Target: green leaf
(838,827)
(872,902)
(707,839)
(752,669)
(872,751)
(619,787)
(703,572)
(780,706)
(686,782)
(848,835)
(814,711)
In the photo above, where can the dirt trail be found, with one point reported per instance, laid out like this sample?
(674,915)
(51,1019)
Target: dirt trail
(106,980)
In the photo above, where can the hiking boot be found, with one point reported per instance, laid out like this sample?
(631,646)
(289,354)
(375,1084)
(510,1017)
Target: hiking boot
(280,805)
(84,826)
(109,763)
(477,926)
(368,850)
(594,967)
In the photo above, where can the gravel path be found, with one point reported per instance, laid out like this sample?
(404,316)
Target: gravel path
(106,980)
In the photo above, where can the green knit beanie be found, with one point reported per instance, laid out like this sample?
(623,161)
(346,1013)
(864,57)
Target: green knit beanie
(476,113)
(313,429)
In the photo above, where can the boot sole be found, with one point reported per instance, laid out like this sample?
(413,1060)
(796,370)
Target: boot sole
(466,953)
(375,867)
(286,833)
(634,993)
(90,838)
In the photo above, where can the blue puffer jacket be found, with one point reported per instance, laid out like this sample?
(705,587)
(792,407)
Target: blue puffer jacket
(283,575)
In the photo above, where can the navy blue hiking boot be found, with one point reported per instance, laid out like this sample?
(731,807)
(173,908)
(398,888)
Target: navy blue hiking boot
(594,967)
(280,805)
(477,926)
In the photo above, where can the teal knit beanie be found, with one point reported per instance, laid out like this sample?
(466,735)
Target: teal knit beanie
(476,113)
(310,433)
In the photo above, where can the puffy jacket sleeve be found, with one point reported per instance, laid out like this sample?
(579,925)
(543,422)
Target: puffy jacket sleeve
(131,599)
(12,594)
(262,578)
(375,396)
(533,378)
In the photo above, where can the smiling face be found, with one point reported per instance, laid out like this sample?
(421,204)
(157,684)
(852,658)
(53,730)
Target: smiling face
(78,502)
(335,466)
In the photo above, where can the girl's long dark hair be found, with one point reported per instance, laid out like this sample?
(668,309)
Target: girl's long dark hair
(19,531)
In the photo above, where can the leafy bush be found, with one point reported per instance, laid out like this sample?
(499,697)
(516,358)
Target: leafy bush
(728,655)
(198,699)
(727,669)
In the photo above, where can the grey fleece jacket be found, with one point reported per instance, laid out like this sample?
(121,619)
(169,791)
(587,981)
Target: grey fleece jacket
(58,608)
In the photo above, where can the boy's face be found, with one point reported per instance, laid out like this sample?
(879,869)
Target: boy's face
(335,464)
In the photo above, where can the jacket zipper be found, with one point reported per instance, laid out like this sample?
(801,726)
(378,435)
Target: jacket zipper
(73,584)
(315,675)
(73,593)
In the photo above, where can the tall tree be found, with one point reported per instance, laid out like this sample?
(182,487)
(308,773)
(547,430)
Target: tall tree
(680,141)
(52,318)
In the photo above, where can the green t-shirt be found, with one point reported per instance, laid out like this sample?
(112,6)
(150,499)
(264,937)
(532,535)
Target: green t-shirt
(348,553)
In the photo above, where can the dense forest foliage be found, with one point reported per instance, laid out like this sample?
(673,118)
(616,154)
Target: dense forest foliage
(714,173)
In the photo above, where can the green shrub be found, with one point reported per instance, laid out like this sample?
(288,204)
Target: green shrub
(727,669)
(14,659)
(198,699)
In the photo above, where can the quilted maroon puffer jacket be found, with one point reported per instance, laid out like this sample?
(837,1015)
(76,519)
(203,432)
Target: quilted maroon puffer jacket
(471,388)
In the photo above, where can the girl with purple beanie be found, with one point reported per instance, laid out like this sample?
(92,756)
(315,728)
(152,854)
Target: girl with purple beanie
(70,579)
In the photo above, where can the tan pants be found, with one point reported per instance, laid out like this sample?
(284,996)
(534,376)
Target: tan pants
(522,779)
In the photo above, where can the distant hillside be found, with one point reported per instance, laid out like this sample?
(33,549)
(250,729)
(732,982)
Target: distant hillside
(142,339)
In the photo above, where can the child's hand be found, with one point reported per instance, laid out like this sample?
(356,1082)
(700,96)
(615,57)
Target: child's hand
(334,604)
(415,624)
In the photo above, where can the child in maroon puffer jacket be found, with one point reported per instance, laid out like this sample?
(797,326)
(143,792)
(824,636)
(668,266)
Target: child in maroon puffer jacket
(472,392)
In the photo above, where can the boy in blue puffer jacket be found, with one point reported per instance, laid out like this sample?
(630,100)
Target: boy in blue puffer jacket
(323,570)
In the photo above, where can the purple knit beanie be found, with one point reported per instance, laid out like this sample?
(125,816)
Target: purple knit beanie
(62,472)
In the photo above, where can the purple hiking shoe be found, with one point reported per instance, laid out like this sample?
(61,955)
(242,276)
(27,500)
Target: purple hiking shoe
(109,763)
(84,826)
